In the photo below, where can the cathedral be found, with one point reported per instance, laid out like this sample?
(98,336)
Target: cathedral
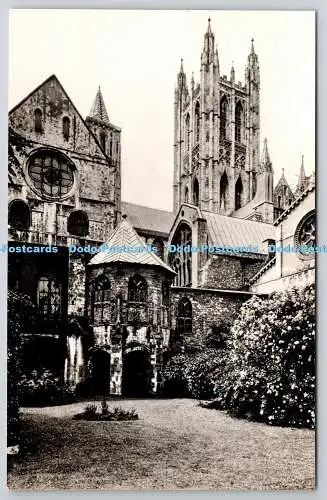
(106,321)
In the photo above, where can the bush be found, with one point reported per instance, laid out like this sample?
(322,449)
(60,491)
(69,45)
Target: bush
(20,309)
(102,413)
(272,350)
(175,379)
(44,388)
(196,375)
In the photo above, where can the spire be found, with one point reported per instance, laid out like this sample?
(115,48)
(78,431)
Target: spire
(209,31)
(98,110)
(303,181)
(253,64)
(266,165)
(232,73)
(192,81)
(181,77)
(209,46)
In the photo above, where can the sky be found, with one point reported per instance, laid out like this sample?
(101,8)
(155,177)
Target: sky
(134,56)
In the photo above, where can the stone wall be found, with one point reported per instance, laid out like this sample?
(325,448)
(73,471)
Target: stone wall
(209,307)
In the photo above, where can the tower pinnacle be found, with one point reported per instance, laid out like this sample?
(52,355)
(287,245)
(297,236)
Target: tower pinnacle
(98,110)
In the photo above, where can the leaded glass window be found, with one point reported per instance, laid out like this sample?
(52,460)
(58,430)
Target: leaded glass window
(49,296)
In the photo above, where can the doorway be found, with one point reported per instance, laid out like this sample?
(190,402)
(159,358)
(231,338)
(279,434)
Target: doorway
(99,372)
(136,372)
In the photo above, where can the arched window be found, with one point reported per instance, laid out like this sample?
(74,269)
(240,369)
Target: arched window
(165,303)
(181,262)
(238,193)
(101,300)
(279,200)
(223,117)
(110,145)
(160,248)
(254,184)
(186,195)
(103,140)
(49,296)
(197,122)
(38,120)
(196,192)
(78,224)
(66,127)
(19,216)
(238,122)
(137,289)
(187,131)
(184,317)
(223,191)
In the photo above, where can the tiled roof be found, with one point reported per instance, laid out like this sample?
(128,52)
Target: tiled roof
(231,231)
(98,110)
(148,219)
(122,238)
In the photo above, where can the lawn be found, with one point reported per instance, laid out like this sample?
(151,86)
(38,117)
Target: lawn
(176,444)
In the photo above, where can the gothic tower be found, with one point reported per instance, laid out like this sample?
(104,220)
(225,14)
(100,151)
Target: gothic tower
(217,134)
(108,136)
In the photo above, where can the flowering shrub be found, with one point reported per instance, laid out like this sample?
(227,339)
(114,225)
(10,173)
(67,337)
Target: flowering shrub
(272,351)
(43,388)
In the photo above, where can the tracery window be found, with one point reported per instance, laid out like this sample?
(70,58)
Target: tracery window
(184,317)
(51,173)
(187,131)
(197,122)
(49,296)
(101,300)
(305,234)
(181,261)
(238,122)
(137,289)
(223,117)
(78,224)
(19,216)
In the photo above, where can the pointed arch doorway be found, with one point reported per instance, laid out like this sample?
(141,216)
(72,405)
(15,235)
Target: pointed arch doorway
(136,380)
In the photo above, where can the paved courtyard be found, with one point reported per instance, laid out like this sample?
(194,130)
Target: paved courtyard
(175,444)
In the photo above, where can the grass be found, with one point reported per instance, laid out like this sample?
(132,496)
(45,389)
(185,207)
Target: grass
(176,444)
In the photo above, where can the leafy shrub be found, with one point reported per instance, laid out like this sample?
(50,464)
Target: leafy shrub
(195,375)
(272,350)
(103,413)
(175,378)
(20,309)
(44,388)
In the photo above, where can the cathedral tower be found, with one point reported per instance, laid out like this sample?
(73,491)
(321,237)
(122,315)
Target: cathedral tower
(217,134)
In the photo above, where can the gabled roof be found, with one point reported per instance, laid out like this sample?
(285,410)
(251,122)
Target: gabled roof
(231,231)
(55,79)
(148,219)
(123,238)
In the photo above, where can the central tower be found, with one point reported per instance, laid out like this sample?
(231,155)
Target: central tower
(217,134)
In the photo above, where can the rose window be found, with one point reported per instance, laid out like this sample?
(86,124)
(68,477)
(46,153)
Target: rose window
(51,173)
(305,235)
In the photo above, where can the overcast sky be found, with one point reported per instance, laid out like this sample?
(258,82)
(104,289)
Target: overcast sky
(135,55)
